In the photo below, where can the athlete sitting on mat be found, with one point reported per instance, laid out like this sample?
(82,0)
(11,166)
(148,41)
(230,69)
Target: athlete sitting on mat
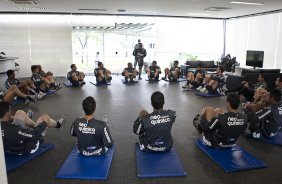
(268,121)
(221,129)
(173,73)
(25,86)
(194,80)
(278,83)
(41,83)
(153,72)
(93,136)
(261,100)
(102,75)
(13,92)
(75,77)
(20,134)
(247,90)
(154,129)
(129,73)
(213,83)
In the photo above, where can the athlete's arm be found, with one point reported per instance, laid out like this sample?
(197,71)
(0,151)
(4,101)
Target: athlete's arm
(138,127)
(107,139)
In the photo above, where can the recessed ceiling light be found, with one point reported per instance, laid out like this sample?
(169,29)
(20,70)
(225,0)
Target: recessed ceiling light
(30,8)
(200,14)
(246,3)
(149,12)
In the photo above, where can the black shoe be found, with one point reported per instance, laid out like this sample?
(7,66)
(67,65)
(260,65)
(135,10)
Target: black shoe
(139,78)
(196,123)
(32,98)
(58,87)
(61,122)
(82,83)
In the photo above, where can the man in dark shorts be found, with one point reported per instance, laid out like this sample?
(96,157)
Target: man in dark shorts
(75,77)
(154,129)
(213,83)
(268,121)
(102,74)
(173,73)
(25,86)
(194,80)
(93,136)
(140,53)
(221,129)
(20,134)
(13,92)
(153,71)
(247,90)
(129,73)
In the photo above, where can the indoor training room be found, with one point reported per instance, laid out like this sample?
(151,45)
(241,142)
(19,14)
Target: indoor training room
(140,91)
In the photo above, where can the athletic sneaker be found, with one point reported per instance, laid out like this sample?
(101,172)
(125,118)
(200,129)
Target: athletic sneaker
(61,122)
(203,90)
(185,86)
(196,123)
(26,101)
(32,98)
(82,83)
(199,88)
(58,87)
(105,118)
(29,113)
(256,135)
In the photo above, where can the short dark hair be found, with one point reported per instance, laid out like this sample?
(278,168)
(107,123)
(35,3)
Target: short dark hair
(89,105)
(276,94)
(221,69)
(154,62)
(4,108)
(157,100)
(10,72)
(263,76)
(49,73)
(72,66)
(33,68)
(200,65)
(234,100)
(176,61)
(100,63)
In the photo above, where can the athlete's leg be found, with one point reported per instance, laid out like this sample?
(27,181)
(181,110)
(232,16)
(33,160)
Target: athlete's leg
(21,118)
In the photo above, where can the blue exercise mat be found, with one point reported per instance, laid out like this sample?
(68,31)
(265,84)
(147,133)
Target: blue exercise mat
(158,164)
(67,84)
(15,161)
(100,84)
(231,159)
(129,82)
(82,167)
(49,92)
(178,80)
(209,95)
(17,100)
(276,140)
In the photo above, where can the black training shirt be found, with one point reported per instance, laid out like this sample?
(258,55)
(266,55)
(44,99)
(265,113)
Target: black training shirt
(155,129)
(93,136)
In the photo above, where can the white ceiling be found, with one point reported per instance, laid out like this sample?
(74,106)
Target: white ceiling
(145,7)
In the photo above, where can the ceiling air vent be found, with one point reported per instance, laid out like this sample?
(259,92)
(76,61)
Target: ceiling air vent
(24,2)
(121,10)
(216,9)
(93,9)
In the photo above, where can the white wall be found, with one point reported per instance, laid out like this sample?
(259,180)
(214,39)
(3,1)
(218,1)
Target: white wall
(37,39)
(256,33)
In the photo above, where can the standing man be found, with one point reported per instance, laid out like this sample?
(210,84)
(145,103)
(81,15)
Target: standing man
(139,53)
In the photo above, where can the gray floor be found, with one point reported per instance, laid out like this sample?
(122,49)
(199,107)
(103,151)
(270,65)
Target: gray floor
(122,103)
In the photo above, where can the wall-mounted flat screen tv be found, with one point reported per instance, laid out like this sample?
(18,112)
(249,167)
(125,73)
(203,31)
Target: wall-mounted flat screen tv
(254,58)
